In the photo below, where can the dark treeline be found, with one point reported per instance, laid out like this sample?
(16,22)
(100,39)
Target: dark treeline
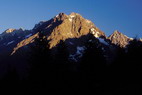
(51,71)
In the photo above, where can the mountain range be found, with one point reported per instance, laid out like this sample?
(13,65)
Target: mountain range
(69,54)
(73,29)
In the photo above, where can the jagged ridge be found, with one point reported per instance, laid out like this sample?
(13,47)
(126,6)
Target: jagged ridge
(62,27)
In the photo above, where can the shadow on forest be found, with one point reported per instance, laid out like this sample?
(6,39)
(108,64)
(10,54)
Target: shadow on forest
(54,74)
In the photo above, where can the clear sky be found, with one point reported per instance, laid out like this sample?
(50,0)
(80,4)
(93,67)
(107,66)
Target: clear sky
(108,15)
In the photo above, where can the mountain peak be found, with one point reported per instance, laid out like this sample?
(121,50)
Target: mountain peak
(74,14)
(9,30)
(63,27)
(61,16)
(118,38)
(72,26)
(117,32)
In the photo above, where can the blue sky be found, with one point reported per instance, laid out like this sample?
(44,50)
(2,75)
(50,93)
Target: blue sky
(108,15)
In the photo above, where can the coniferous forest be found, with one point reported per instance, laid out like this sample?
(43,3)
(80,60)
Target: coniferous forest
(77,47)
(53,73)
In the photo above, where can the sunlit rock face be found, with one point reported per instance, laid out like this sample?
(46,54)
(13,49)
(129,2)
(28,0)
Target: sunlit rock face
(119,39)
(73,29)
(62,27)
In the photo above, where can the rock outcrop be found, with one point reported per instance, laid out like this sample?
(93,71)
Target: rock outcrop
(119,39)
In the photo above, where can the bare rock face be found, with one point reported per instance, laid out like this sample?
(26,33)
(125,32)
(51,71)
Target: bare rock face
(25,42)
(62,27)
(72,26)
(119,39)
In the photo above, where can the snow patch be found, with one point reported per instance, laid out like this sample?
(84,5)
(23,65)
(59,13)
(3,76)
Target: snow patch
(92,29)
(132,39)
(72,57)
(78,54)
(103,41)
(70,19)
(71,43)
(28,36)
(72,16)
(103,48)
(10,43)
(57,15)
(90,40)
(80,50)
(97,34)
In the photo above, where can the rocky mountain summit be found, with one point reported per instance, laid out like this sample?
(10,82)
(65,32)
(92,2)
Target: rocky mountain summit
(119,39)
(62,27)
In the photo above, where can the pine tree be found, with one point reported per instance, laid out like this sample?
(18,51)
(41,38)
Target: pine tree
(62,66)
(93,64)
(62,53)
(134,53)
(40,60)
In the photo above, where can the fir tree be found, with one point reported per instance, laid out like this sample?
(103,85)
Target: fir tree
(93,64)
(40,60)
